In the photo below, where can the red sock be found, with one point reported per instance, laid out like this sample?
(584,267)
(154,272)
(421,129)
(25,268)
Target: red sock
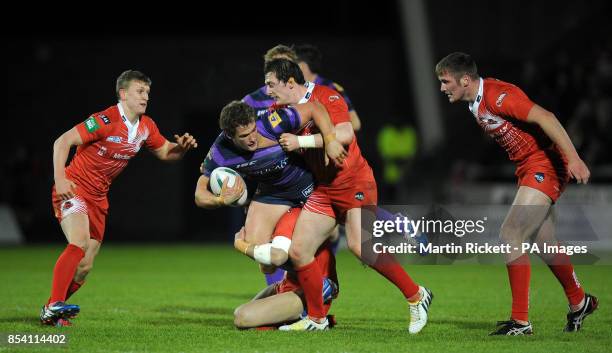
(311,281)
(387,266)
(74,286)
(519,273)
(64,270)
(562,268)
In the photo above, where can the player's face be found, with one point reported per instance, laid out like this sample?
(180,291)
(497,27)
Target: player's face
(279,91)
(136,96)
(246,137)
(450,86)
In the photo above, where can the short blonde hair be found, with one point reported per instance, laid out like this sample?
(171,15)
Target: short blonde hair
(280,51)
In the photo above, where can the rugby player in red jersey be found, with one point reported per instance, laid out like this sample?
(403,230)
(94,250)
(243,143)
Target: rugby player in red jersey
(545,158)
(106,141)
(339,197)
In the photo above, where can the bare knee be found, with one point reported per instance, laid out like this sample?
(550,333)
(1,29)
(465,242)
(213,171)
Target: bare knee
(299,256)
(242,318)
(83,270)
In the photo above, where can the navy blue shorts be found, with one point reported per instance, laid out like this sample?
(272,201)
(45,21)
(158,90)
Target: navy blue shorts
(293,196)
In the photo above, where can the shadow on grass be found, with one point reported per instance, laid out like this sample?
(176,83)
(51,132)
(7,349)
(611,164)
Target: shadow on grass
(176,309)
(468,324)
(25,319)
(203,321)
(231,295)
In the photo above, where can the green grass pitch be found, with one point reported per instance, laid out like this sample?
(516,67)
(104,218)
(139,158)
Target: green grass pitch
(181,299)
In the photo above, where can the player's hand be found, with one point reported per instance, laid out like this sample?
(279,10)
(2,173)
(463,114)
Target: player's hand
(289,142)
(64,188)
(336,152)
(240,235)
(229,194)
(202,168)
(186,141)
(267,269)
(578,170)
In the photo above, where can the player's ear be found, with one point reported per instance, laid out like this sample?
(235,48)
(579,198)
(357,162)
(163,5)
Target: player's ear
(291,81)
(122,94)
(465,81)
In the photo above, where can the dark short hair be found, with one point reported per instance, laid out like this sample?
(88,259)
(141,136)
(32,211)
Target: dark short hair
(285,69)
(457,64)
(235,114)
(311,55)
(127,76)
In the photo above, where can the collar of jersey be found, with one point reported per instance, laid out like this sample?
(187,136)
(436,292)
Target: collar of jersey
(476,103)
(132,128)
(309,88)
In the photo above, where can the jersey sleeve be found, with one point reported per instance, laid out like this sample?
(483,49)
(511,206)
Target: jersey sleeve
(155,139)
(337,109)
(209,162)
(511,101)
(279,121)
(94,128)
(347,100)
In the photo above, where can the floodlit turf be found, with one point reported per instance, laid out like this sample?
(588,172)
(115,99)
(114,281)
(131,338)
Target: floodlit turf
(181,299)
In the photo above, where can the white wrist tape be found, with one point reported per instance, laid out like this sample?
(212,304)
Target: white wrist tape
(307,141)
(281,242)
(261,253)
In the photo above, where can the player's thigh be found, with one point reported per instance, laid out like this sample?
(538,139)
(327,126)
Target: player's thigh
(311,230)
(76,229)
(270,310)
(528,211)
(261,220)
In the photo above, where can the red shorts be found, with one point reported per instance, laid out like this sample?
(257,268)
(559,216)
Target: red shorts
(286,223)
(335,201)
(82,203)
(549,180)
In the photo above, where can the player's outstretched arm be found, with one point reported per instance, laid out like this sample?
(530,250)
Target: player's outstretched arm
(61,148)
(555,131)
(204,198)
(172,151)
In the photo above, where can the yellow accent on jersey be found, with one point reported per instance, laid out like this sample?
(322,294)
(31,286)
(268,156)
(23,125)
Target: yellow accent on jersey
(274,119)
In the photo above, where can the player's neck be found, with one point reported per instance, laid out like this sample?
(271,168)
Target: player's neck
(300,92)
(472,91)
(129,114)
(311,77)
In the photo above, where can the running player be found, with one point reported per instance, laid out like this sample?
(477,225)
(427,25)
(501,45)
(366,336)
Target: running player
(340,195)
(545,159)
(106,142)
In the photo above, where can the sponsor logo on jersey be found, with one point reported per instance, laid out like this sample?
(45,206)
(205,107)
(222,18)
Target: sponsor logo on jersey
(102,151)
(105,119)
(500,99)
(91,124)
(66,205)
(306,192)
(121,156)
(539,177)
(359,196)
(238,166)
(333,98)
(115,139)
(274,119)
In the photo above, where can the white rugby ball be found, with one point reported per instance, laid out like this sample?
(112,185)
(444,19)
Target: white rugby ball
(218,176)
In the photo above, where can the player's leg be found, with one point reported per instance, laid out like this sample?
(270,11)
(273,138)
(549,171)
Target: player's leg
(84,267)
(311,230)
(419,298)
(269,310)
(261,220)
(581,304)
(528,212)
(76,229)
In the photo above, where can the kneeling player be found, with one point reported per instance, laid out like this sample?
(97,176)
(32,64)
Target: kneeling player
(283,301)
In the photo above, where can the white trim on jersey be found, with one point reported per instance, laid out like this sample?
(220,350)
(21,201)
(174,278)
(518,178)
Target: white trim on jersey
(473,106)
(309,88)
(132,128)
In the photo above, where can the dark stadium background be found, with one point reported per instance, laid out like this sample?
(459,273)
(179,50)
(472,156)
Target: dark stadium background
(61,68)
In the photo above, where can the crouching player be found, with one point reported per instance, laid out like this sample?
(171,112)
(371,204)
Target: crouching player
(282,302)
